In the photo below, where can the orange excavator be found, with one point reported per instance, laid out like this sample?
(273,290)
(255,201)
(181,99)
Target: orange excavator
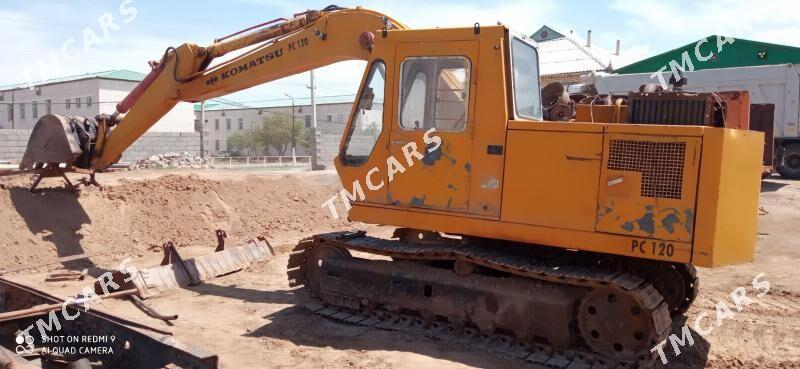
(568,244)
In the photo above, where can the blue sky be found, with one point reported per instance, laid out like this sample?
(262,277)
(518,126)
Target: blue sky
(34,32)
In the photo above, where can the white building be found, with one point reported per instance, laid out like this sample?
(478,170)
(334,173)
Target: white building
(222,120)
(82,95)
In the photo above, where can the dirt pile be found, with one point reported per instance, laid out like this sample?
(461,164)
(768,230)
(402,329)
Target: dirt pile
(134,216)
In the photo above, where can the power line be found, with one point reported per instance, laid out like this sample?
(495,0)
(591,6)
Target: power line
(231,102)
(297,98)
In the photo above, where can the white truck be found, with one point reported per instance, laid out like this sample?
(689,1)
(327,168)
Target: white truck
(771,84)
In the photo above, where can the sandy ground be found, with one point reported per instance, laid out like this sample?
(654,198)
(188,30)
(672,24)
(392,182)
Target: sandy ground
(249,318)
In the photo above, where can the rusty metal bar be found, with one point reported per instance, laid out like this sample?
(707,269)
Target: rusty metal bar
(44,309)
(149,310)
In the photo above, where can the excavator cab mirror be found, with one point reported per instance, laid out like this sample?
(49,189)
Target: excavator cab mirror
(369,96)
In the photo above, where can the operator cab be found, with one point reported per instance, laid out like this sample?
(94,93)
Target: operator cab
(419,137)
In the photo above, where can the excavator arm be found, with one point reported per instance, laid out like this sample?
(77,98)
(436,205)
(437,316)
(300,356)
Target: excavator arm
(309,40)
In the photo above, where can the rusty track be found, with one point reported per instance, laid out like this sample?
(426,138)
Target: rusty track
(582,353)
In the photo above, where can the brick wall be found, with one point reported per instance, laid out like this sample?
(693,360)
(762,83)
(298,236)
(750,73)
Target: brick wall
(14,141)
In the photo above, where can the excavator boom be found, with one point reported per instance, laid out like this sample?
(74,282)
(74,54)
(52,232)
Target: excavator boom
(309,40)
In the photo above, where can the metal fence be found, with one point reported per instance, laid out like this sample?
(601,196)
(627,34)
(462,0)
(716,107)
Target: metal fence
(260,162)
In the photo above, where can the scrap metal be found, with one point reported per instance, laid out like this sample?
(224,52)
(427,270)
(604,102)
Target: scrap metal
(177,272)
(135,345)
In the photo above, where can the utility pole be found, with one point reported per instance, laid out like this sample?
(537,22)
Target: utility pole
(202,129)
(314,164)
(11,109)
(294,156)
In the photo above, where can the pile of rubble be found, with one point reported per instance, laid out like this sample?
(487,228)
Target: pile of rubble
(171,160)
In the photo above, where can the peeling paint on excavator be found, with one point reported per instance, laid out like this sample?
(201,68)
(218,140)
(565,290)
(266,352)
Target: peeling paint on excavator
(654,200)
(431,157)
(437,181)
(651,222)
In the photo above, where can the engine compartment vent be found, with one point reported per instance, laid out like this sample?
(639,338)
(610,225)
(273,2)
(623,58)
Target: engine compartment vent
(660,163)
(676,108)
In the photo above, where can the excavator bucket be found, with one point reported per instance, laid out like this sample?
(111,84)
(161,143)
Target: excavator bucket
(56,139)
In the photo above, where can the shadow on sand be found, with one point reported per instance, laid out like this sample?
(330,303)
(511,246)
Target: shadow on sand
(771,186)
(58,216)
(299,326)
(245,294)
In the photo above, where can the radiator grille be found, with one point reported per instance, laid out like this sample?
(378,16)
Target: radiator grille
(672,108)
(661,165)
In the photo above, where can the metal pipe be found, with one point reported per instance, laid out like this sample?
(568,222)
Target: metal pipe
(250,28)
(44,309)
(126,103)
(294,157)
(202,129)
(314,164)
(149,310)
(223,46)
(11,107)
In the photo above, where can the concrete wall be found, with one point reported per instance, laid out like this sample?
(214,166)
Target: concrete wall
(328,145)
(161,143)
(327,149)
(14,141)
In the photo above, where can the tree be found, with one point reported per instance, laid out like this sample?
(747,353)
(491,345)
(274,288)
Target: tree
(273,136)
(277,132)
(244,141)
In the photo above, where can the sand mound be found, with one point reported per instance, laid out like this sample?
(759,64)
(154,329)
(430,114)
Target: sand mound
(137,216)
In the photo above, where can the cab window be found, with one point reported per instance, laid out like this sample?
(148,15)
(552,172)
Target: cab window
(434,93)
(525,65)
(367,120)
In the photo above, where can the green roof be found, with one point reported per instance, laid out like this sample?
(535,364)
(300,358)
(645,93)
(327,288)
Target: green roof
(740,53)
(116,74)
(547,33)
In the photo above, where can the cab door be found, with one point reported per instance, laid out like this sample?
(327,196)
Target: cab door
(432,125)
